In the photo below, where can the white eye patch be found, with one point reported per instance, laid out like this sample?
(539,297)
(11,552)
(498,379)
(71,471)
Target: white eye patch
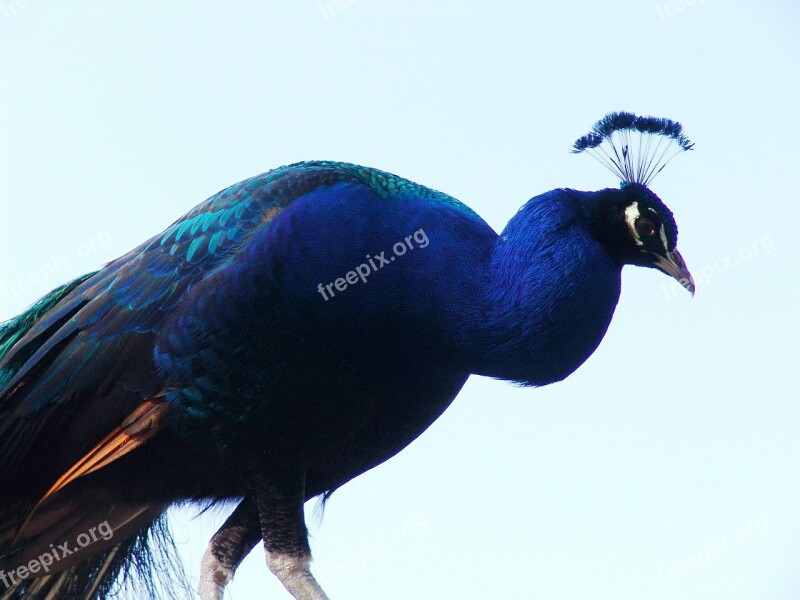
(631,214)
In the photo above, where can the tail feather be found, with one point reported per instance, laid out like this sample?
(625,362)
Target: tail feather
(14,329)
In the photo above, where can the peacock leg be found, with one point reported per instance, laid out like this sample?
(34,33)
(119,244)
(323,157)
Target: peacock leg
(227,548)
(280,500)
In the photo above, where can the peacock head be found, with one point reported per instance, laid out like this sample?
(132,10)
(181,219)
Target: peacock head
(635,226)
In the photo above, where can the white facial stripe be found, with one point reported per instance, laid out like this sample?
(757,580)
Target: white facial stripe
(631,214)
(663,233)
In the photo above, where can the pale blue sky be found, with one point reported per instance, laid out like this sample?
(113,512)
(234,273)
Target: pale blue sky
(667,466)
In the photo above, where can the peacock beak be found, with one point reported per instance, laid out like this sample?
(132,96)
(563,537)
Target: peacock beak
(673,265)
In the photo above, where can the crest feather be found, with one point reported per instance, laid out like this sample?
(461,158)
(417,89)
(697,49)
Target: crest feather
(614,142)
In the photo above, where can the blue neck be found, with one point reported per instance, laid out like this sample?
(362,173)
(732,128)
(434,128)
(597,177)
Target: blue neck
(550,293)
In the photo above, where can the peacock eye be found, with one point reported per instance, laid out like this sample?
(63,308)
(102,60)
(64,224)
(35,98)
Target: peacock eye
(646,227)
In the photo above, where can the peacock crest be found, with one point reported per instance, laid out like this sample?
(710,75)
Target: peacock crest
(614,142)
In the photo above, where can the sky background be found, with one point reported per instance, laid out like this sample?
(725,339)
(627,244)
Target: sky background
(667,465)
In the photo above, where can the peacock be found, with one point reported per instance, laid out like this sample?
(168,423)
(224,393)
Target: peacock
(288,334)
